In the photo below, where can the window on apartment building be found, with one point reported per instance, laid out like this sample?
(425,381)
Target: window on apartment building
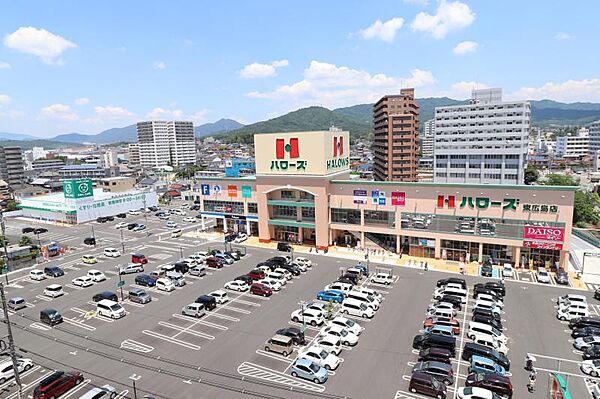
(440,174)
(474,175)
(489,156)
(458,157)
(496,176)
(510,177)
(252,207)
(493,165)
(458,165)
(441,165)
(308,214)
(511,166)
(349,216)
(457,175)
(474,166)
(512,156)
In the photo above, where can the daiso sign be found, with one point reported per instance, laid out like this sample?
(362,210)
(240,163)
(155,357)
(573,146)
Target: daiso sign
(544,233)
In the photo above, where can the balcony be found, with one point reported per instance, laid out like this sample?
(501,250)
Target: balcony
(303,203)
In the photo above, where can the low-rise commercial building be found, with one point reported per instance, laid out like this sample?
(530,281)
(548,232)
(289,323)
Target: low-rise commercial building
(302,193)
(117,184)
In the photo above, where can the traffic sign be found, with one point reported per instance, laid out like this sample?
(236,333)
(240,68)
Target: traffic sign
(4,270)
(120,284)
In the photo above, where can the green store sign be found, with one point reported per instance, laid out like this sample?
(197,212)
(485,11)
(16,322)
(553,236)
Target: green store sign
(78,188)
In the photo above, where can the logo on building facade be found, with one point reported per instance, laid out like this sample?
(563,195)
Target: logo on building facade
(291,148)
(449,201)
(78,188)
(338,146)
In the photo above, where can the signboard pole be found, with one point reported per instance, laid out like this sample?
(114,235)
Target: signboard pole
(6,266)
(11,342)
(121,284)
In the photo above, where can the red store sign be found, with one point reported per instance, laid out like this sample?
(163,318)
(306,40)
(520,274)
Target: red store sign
(543,245)
(544,233)
(398,198)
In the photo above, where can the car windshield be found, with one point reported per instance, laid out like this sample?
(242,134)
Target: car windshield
(543,273)
(343,333)
(314,368)
(363,306)
(323,354)
(350,323)
(589,339)
(115,307)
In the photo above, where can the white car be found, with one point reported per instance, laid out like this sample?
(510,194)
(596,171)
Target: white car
(277,276)
(542,275)
(241,237)
(569,299)
(190,260)
(320,356)
(348,338)
(198,259)
(490,342)
(7,371)
(308,316)
(96,275)
(582,343)
(133,212)
(85,281)
(220,296)
(121,225)
(266,269)
(475,393)
(508,270)
(382,278)
(432,308)
(202,254)
(344,287)
(304,261)
(37,275)
(179,212)
(369,291)
(271,283)
(112,252)
(190,219)
(300,266)
(591,367)
(487,305)
(489,298)
(330,343)
(348,324)
(285,272)
(237,285)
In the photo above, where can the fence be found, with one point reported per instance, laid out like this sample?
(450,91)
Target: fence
(586,236)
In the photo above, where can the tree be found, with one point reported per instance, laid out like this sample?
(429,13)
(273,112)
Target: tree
(531,174)
(560,180)
(2,240)
(11,205)
(584,208)
(25,241)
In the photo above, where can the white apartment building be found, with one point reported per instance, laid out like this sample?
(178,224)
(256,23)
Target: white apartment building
(111,158)
(483,142)
(594,130)
(428,139)
(574,146)
(166,143)
(134,154)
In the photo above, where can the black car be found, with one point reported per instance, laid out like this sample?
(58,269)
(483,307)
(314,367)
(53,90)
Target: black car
(208,301)
(497,286)
(441,371)
(597,293)
(234,254)
(284,246)
(498,384)
(454,300)
(230,237)
(247,279)
(591,352)
(110,218)
(585,331)
(589,321)
(345,280)
(487,270)
(181,267)
(145,280)
(471,348)
(482,290)
(122,215)
(131,226)
(270,265)
(26,230)
(487,313)
(435,354)
(40,230)
(279,260)
(452,280)
(105,295)
(562,277)
(351,276)
(89,241)
(479,318)
(294,333)
(435,340)
(292,269)
(102,219)
(53,271)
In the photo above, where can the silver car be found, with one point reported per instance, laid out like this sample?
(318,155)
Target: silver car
(586,342)
(193,310)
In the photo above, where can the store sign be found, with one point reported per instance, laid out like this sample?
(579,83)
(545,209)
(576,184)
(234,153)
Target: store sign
(246,192)
(544,233)
(217,189)
(360,196)
(205,189)
(115,205)
(289,150)
(423,242)
(232,191)
(378,197)
(449,201)
(543,245)
(78,188)
(398,198)
(540,208)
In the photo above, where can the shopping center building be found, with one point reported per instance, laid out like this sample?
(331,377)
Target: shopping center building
(302,193)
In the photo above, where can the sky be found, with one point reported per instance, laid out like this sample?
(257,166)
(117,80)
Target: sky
(75,66)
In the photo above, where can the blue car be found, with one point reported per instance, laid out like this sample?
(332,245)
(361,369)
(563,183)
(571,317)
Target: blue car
(308,370)
(483,365)
(362,268)
(145,280)
(331,295)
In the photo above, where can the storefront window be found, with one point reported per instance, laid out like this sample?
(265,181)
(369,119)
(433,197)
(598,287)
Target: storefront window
(539,257)
(252,207)
(460,251)
(379,218)
(498,253)
(350,216)
(308,214)
(421,247)
(306,196)
(284,212)
(224,207)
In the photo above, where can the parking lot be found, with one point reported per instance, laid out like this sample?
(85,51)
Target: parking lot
(222,353)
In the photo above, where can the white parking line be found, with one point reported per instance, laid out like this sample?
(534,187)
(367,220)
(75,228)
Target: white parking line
(78,324)
(200,321)
(30,385)
(264,373)
(187,330)
(76,389)
(171,340)
(136,346)
(24,374)
(222,316)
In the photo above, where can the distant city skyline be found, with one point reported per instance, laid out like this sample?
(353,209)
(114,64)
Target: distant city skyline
(85,67)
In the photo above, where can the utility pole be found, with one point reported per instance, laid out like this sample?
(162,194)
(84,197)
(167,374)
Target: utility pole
(11,342)
(93,234)
(5,266)
(122,242)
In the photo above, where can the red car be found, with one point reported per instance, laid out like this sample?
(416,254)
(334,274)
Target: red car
(433,321)
(260,289)
(256,274)
(214,262)
(139,258)
(57,384)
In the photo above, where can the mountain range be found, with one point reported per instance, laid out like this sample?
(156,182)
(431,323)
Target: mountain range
(357,119)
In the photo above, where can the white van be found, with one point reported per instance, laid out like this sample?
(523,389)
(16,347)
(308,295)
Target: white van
(571,313)
(354,307)
(571,298)
(176,233)
(366,290)
(486,340)
(37,275)
(573,305)
(110,309)
(368,300)
(165,284)
(485,329)
(112,252)
(454,291)
(54,290)
(441,312)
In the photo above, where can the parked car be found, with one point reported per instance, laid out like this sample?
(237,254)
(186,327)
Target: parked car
(319,356)
(330,343)
(145,280)
(130,268)
(562,277)
(484,365)
(54,290)
(89,259)
(435,354)
(220,296)
(50,317)
(208,301)
(487,270)
(16,303)
(347,337)
(37,275)
(260,289)
(348,324)
(295,333)
(331,295)
(139,258)
(271,283)
(471,349)
(309,316)
(492,382)
(224,258)
(591,367)
(542,275)
(284,246)
(591,353)
(280,344)
(441,371)
(452,280)
(508,270)
(256,274)
(214,262)
(112,252)
(497,286)
(586,342)
(197,271)
(138,295)
(308,370)
(237,285)
(427,384)
(57,384)
(476,393)
(171,224)
(84,281)
(96,275)
(53,271)
(7,371)
(105,295)
(103,392)
(193,310)
(585,331)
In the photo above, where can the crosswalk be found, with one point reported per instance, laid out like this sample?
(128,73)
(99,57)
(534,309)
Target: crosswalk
(593,287)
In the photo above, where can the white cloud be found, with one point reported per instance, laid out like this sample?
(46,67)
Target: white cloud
(59,111)
(111,111)
(12,114)
(385,31)
(465,47)
(449,16)
(82,101)
(4,65)
(159,65)
(568,91)
(165,114)
(39,42)
(257,70)
(4,99)
(334,86)
(562,36)
(463,89)
(422,3)
(199,116)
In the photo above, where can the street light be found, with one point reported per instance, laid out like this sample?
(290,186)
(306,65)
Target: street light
(181,252)
(122,243)
(303,304)
(93,234)
(5,267)
(134,378)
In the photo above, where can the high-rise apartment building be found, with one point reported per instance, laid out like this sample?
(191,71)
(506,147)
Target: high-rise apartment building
(594,138)
(12,166)
(484,141)
(134,154)
(427,139)
(166,143)
(396,134)
(574,146)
